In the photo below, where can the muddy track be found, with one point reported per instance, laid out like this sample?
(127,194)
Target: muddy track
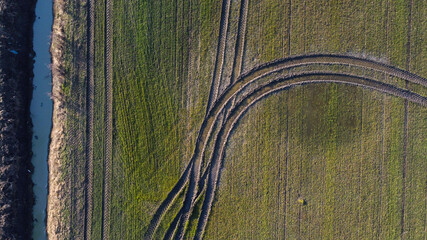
(239,50)
(172,228)
(89,121)
(302,60)
(274,86)
(267,69)
(240,44)
(105,228)
(191,195)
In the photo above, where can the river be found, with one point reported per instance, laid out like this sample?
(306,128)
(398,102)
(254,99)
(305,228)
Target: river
(41,113)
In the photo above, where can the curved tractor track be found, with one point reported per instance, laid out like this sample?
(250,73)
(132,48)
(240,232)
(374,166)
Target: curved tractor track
(255,76)
(218,81)
(222,111)
(264,91)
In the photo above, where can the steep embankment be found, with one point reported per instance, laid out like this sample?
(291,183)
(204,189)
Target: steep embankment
(16,19)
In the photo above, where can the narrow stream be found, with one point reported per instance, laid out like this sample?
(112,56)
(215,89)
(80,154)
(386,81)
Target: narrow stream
(41,113)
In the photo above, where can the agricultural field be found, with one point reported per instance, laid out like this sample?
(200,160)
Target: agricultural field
(239,119)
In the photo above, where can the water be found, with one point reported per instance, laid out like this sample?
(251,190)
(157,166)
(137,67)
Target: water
(41,113)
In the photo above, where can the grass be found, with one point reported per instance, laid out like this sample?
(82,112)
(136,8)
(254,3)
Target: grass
(342,141)
(338,149)
(334,163)
(98,116)
(160,93)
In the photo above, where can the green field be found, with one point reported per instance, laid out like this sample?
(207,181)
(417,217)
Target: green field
(313,161)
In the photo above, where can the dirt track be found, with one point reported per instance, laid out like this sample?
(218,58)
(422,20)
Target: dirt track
(240,43)
(168,201)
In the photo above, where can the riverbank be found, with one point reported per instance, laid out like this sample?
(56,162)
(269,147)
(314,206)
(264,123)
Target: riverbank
(66,198)
(56,186)
(16,65)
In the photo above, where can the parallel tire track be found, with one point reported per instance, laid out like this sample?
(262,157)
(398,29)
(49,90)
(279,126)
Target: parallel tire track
(267,89)
(164,206)
(194,193)
(214,91)
(239,49)
(89,121)
(240,43)
(267,69)
(105,228)
(183,215)
(219,60)
(194,190)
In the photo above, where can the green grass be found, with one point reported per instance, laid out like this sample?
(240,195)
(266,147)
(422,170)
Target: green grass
(346,164)
(338,147)
(169,216)
(162,59)
(98,116)
(345,144)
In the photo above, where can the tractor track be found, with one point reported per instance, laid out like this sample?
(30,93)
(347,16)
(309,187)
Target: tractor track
(89,121)
(256,74)
(275,86)
(105,228)
(167,202)
(194,180)
(212,97)
(236,69)
(172,228)
(220,54)
(193,192)
(270,68)
(240,42)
